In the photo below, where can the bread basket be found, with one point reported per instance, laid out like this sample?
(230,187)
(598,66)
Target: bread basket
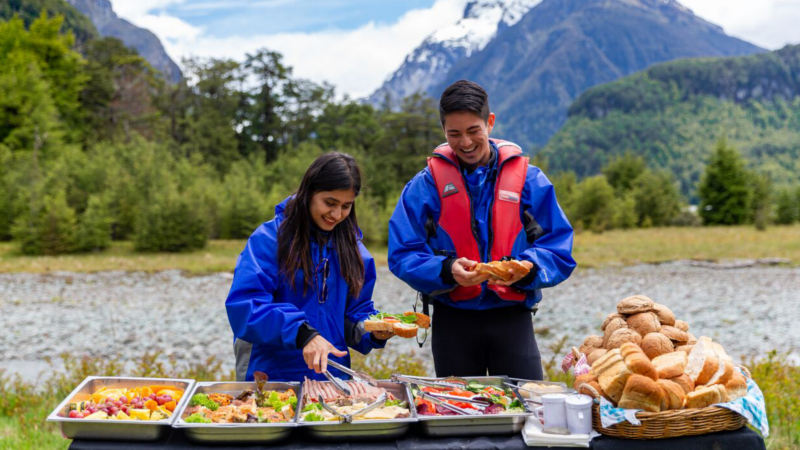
(671,423)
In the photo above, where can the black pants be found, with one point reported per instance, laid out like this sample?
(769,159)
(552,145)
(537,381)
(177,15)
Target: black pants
(497,341)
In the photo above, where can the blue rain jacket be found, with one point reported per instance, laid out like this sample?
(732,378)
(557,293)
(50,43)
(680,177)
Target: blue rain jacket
(417,260)
(263,309)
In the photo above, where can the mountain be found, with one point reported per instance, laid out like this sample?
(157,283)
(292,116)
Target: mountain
(673,113)
(29,10)
(429,63)
(143,41)
(534,68)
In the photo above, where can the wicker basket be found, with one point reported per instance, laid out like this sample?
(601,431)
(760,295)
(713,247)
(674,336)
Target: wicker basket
(672,423)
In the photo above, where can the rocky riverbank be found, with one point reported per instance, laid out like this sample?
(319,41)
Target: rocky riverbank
(750,309)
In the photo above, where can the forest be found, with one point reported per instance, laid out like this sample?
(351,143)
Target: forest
(95,146)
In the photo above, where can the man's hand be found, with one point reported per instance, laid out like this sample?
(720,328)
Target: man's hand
(315,353)
(514,278)
(464,275)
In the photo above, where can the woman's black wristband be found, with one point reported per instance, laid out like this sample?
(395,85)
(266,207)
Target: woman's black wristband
(304,334)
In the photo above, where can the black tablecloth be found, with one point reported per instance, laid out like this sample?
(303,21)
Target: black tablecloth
(742,439)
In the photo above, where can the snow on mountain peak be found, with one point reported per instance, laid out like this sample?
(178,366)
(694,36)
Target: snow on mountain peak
(480,22)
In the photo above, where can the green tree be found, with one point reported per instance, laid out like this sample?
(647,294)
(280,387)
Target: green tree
(169,222)
(264,115)
(762,200)
(121,92)
(787,207)
(47,226)
(622,172)
(594,204)
(245,205)
(657,198)
(724,191)
(94,226)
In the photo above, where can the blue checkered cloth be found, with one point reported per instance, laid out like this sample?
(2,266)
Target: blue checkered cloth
(751,406)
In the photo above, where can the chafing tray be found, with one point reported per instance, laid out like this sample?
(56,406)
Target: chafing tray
(476,425)
(236,432)
(534,394)
(129,430)
(365,429)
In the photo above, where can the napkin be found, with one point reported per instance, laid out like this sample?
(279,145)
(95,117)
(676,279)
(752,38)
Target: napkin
(533,435)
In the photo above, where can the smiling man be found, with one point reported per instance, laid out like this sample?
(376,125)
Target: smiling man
(479,200)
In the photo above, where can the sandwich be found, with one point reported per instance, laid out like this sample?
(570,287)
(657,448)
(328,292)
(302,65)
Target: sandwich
(404,325)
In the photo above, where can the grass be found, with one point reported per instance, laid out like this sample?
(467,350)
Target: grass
(612,248)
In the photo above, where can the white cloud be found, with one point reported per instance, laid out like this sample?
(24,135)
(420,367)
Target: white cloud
(357,61)
(768,23)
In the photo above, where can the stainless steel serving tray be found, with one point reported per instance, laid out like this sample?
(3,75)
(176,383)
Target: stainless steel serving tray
(534,396)
(129,430)
(236,432)
(365,429)
(476,425)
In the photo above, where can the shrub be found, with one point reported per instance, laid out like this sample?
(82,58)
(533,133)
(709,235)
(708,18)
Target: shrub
(724,191)
(47,226)
(94,226)
(169,222)
(787,207)
(593,203)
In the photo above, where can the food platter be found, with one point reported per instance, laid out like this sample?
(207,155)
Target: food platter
(363,429)
(129,430)
(235,432)
(471,425)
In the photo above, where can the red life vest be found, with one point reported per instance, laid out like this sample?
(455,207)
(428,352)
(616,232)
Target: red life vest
(456,211)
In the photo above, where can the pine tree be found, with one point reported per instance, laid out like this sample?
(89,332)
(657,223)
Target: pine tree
(724,191)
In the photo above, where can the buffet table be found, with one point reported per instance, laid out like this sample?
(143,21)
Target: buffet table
(742,439)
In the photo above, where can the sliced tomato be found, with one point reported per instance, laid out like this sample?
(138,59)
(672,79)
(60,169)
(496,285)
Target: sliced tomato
(461,393)
(433,389)
(463,405)
(494,391)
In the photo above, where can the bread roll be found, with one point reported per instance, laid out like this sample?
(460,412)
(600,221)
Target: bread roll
(681,325)
(692,340)
(675,334)
(736,386)
(654,344)
(377,325)
(634,304)
(702,363)
(684,382)
(596,353)
(684,348)
(641,392)
(612,373)
(640,364)
(609,318)
(670,365)
(664,314)
(612,326)
(587,379)
(405,330)
(622,336)
(673,394)
(643,323)
(423,320)
(590,343)
(703,396)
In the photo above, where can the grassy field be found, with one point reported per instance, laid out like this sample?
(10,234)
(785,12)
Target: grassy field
(24,408)
(612,248)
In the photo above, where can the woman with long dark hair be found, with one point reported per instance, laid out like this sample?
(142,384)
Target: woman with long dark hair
(303,283)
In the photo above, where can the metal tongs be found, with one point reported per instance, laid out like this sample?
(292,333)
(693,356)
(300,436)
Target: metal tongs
(337,383)
(356,374)
(348,418)
(426,382)
(441,402)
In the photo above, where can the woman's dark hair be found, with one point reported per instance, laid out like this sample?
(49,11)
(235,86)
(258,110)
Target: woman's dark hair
(330,172)
(464,95)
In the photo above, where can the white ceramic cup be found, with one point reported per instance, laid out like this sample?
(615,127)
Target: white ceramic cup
(554,411)
(579,413)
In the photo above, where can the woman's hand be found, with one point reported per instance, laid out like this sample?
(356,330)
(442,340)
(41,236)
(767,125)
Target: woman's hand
(315,353)
(464,275)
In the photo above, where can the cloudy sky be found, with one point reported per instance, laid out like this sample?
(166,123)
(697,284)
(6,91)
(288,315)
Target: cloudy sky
(356,44)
